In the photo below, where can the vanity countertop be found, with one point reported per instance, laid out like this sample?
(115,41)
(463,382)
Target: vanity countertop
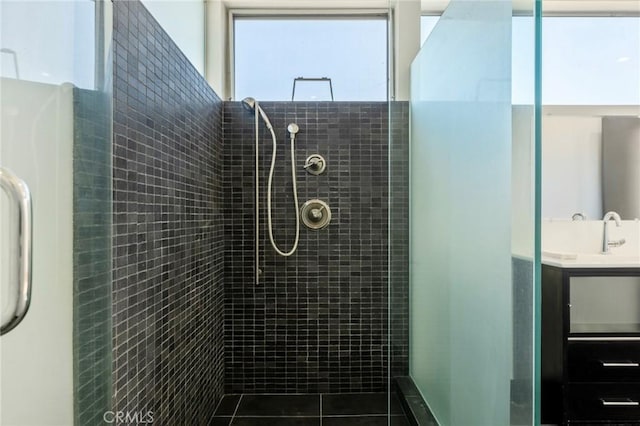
(588,260)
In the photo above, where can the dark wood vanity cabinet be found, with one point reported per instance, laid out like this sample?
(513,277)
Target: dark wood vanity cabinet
(590,345)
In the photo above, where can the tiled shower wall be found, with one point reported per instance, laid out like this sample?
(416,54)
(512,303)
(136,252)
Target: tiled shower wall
(91,254)
(184,219)
(399,239)
(168,242)
(316,321)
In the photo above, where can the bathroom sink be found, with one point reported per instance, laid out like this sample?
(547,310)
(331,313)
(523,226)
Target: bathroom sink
(587,260)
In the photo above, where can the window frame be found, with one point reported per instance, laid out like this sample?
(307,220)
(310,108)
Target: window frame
(299,14)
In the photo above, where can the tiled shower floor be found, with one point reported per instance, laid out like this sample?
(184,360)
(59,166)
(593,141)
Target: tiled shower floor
(327,409)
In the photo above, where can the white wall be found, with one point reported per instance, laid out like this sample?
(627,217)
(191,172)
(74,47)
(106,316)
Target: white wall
(184,21)
(217,52)
(571,166)
(406,39)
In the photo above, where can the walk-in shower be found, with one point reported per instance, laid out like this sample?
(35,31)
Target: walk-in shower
(252,105)
(410,280)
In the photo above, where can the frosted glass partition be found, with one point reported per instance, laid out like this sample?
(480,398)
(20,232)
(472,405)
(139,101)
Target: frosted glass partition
(468,265)
(55,135)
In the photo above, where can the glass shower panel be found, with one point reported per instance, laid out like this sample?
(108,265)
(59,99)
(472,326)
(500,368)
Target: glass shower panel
(55,136)
(472,221)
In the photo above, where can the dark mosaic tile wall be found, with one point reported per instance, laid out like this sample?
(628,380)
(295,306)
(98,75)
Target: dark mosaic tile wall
(399,238)
(91,255)
(317,322)
(168,242)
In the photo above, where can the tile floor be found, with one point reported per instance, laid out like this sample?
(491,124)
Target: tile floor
(327,409)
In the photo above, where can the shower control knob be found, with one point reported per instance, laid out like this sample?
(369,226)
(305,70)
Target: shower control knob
(316,214)
(315,164)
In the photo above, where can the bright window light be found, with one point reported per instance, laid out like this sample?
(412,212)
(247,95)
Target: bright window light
(270,53)
(585,60)
(591,61)
(427,24)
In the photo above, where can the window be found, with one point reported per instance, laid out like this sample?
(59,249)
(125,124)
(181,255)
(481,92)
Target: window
(269,53)
(591,60)
(585,60)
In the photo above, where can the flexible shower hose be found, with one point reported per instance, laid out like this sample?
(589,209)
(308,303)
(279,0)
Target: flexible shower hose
(295,195)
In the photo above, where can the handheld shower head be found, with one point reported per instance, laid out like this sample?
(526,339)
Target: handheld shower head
(250,104)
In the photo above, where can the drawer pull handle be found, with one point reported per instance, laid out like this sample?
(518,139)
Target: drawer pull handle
(627,403)
(620,364)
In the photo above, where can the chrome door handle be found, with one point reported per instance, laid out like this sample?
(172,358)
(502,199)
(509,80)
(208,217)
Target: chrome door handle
(627,403)
(620,364)
(19,191)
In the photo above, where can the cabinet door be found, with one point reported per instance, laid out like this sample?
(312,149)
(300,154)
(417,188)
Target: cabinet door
(604,304)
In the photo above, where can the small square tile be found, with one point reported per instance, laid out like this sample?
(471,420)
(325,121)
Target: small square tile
(168,239)
(318,320)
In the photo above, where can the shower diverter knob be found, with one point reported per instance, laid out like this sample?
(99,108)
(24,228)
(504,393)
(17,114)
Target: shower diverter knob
(315,164)
(316,214)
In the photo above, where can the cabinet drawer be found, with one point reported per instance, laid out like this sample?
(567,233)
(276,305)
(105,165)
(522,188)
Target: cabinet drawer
(601,402)
(603,362)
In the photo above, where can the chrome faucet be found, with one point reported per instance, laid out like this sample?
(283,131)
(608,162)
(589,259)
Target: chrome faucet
(579,216)
(606,244)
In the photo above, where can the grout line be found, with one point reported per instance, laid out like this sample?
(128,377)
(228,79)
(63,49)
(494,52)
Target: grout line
(309,393)
(218,405)
(322,415)
(347,393)
(236,410)
(330,416)
(290,394)
(359,415)
(275,416)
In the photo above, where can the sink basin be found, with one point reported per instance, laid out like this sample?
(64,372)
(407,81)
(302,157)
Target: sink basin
(590,259)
